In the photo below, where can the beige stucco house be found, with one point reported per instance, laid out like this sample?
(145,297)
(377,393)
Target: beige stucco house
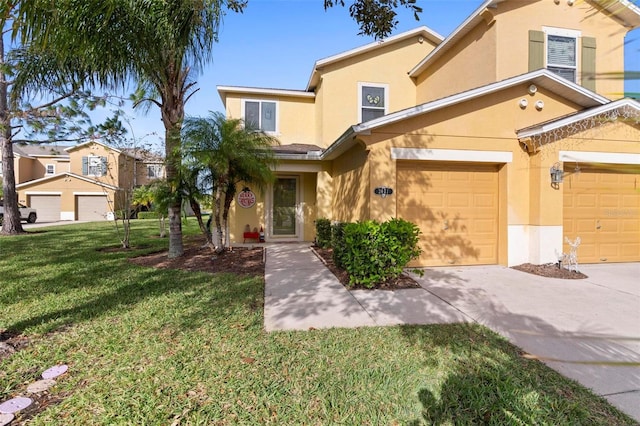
(460,135)
(89,181)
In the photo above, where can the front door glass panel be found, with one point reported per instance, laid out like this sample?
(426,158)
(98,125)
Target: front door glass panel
(284,206)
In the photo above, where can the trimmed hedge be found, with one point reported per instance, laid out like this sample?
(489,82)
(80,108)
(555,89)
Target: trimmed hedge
(323,233)
(373,252)
(148,215)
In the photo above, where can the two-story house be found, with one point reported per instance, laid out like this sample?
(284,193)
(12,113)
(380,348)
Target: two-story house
(500,141)
(89,181)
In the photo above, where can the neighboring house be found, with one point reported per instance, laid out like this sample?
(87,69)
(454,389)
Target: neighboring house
(89,181)
(465,133)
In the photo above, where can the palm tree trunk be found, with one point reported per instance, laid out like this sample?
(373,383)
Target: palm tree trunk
(172,116)
(219,242)
(11,217)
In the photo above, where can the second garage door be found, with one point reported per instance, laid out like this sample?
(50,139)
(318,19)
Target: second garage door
(602,207)
(47,207)
(92,207)
(456,208)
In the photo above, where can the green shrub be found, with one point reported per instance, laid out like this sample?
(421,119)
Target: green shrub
(148,215)
(337,242)
(373,252)
(323,233)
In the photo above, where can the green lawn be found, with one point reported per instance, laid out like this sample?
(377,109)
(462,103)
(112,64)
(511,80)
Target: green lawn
(162,347)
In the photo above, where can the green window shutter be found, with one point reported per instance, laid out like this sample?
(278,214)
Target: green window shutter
(85,166)
(536,50)
(588,79)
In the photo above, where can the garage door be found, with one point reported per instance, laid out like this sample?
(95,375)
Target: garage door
(92,207)
(602,207)
(47,207)
(456,208)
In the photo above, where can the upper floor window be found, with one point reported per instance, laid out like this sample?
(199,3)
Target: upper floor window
(154,171)
(260,115)
(94,166)
(562,52)
(372,101)
(51,169)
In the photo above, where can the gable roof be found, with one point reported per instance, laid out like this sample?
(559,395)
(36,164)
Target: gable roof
(542,78)
(83,144)
(423,31)
(625,11)
(625,107)
(223,90)
(67,174)
(40,150)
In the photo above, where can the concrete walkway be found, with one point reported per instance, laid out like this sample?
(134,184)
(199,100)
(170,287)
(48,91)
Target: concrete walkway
(588,330)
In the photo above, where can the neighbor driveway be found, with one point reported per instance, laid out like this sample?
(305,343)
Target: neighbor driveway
(588,330)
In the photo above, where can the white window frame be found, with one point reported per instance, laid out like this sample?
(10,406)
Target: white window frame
(562,32)
(53,169)
(89,171)
(158,171)
(363,84)
(260,101)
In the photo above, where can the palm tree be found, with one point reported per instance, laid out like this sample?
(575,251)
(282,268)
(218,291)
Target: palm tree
(225,153)
(158,44)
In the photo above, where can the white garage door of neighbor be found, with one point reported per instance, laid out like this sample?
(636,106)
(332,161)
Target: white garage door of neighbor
(92,207)
(47,207)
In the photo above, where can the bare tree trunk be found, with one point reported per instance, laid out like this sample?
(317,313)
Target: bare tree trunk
(196,210)
(11,217)
(217,209)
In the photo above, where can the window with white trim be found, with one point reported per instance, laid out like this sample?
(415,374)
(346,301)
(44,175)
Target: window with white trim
(260,115)
(372,101)
(50,169)
(93,165)
(154,171)
(562,52)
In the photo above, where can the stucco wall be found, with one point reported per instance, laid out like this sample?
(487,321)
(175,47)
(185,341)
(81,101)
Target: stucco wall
(295,116)
(583,16)
(470,63)
(499,49)
(388,65)
(351,189)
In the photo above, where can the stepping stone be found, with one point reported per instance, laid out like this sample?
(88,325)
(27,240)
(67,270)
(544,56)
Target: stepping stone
(5,419)
(55,371)
(15,404)
(40,386)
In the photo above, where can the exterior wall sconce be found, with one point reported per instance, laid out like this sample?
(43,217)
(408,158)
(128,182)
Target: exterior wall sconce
(557,174)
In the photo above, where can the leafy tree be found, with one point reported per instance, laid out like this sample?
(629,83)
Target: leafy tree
(28,74)
(376,18)
(159,45)
(222,153)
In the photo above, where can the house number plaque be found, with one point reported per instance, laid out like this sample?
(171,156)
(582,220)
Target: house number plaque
(383,191)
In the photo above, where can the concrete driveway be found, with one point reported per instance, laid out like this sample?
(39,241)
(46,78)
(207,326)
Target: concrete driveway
(588,330)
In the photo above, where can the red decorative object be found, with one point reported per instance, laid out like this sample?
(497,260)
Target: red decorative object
(246,198)
(251,236)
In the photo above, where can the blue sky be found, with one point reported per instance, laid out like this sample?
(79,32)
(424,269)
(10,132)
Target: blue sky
(275,43)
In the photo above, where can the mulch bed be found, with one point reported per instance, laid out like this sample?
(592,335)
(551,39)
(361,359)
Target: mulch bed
(239,260)
(550,270)
(326,255)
